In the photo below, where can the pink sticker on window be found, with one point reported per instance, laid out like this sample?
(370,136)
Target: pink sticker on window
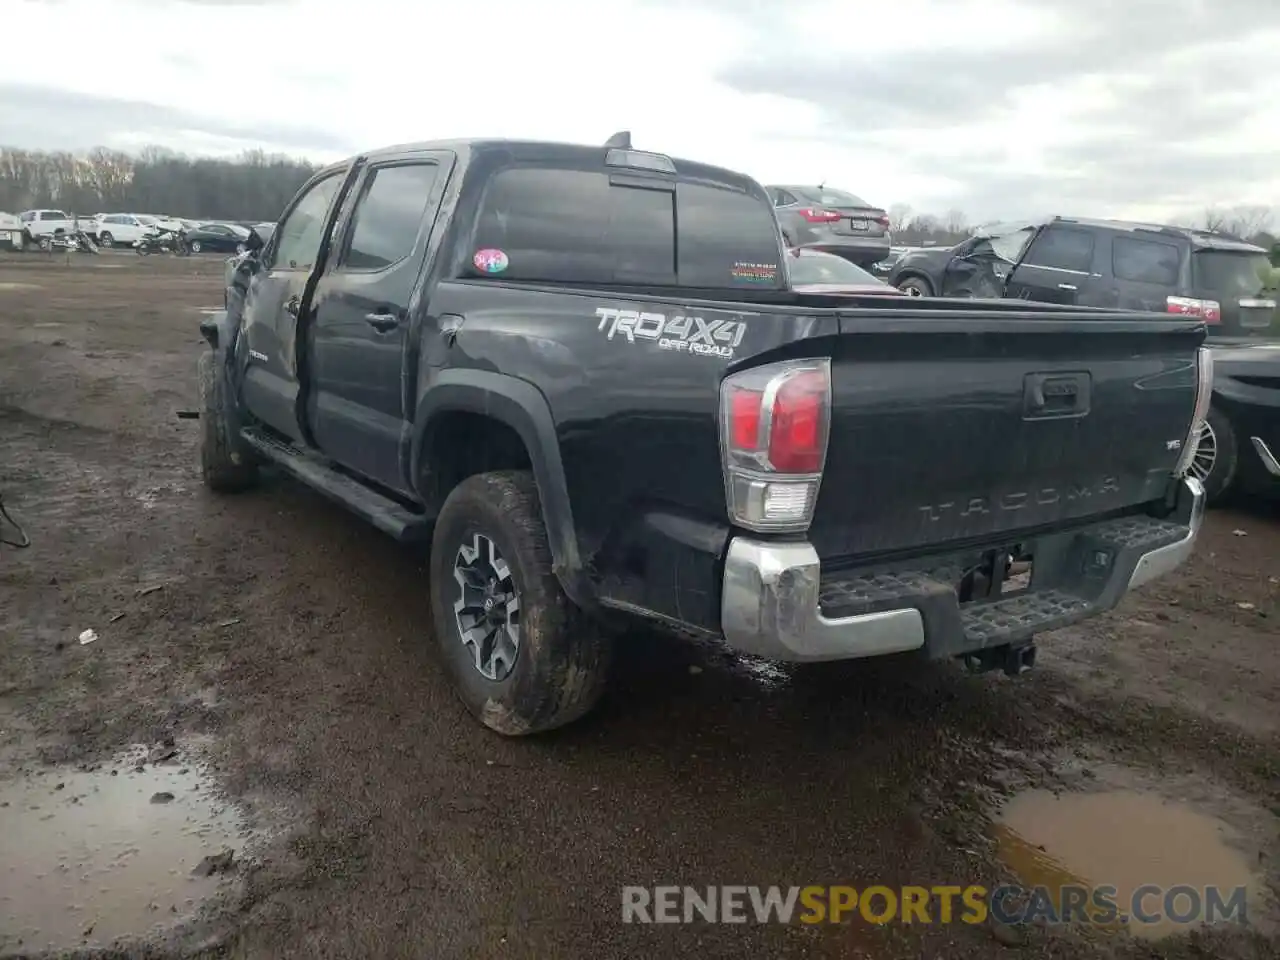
(490,260)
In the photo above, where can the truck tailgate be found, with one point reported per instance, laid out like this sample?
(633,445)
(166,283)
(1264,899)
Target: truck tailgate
(963,430)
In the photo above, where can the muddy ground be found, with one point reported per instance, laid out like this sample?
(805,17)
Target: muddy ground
(280,646)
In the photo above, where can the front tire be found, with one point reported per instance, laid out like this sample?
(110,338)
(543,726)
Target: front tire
(916,287)
(225,465)
(1217,457)
(522,658)
(195,246)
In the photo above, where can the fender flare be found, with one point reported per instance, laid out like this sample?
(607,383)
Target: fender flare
(521,406)
(222,334)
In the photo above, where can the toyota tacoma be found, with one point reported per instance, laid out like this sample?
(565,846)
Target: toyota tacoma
(579,377)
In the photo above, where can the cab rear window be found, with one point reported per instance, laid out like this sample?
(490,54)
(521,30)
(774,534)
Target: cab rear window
(576,226)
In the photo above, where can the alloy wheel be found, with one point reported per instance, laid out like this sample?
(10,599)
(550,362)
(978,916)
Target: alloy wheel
(1206,455)
(487,608)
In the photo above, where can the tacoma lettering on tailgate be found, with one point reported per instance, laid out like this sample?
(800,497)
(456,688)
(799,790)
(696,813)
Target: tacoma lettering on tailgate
(1043,496)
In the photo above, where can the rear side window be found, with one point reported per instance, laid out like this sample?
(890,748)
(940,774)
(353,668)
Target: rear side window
(1145,261)
(389,216)
(1063,249)
(1231,273)
(575,226)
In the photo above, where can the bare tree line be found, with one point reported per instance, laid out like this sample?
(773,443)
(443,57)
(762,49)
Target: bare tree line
(254,186)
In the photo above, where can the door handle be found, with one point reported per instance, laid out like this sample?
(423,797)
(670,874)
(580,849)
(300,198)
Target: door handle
(382,322)
(1066,286)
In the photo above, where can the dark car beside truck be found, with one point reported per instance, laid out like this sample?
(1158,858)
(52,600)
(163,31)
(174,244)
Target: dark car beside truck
(580,376)
(1111,264)
(1238,449)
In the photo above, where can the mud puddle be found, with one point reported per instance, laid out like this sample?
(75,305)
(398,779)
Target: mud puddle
(1172,867)
(87,857)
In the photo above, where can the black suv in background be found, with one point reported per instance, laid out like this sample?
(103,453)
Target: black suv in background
(1105,263)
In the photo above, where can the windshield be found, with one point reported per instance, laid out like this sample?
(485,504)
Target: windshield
(815,267)
(1233,274)
(831,198)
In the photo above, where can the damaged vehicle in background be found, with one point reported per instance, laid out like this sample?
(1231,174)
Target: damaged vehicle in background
(1112,264)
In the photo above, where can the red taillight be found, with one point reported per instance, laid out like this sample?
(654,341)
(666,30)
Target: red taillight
(795,432)
(774,422)
(744,418)
(814,215)
(883,220)
(1210,311)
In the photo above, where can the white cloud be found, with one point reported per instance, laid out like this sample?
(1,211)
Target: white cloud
(377,72)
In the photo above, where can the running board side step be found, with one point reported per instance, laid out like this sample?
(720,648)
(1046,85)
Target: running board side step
(1268,458)
(388,515)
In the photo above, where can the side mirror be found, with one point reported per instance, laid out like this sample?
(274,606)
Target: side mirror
(254,243)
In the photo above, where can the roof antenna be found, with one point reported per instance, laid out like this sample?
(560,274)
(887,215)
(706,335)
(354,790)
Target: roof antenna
(621,140)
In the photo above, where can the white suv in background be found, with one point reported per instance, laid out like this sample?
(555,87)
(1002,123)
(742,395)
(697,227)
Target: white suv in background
(124,228)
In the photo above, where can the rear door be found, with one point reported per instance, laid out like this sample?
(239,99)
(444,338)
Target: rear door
(272,303)
(1057,268)
(1244,283)
(1145,272)
(357,407)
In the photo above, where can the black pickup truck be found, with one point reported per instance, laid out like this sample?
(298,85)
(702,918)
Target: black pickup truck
(578,373)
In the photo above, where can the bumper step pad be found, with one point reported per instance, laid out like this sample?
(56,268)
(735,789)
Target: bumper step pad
(1069,595)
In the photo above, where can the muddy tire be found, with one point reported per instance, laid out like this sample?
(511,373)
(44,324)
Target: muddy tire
(226,465)
(491,572)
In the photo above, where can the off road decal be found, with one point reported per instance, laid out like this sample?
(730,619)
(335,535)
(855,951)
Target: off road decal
(678,333)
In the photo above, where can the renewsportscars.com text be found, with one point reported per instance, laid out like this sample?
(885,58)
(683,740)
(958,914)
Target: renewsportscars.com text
(1009,904)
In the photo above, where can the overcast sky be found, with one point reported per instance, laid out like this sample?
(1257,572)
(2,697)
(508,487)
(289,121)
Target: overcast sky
(1146,108)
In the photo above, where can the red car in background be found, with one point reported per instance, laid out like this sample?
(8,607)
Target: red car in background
(813,271)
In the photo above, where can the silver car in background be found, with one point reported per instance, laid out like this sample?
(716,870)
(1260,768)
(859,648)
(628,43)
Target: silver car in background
(835,221)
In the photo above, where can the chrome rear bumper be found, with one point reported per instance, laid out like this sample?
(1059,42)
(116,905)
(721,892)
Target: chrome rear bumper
(771,601)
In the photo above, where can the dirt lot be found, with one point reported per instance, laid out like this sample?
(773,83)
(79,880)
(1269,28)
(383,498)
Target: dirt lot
(279,647)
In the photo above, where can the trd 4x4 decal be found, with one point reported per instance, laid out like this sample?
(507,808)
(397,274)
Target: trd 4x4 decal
(682,334)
